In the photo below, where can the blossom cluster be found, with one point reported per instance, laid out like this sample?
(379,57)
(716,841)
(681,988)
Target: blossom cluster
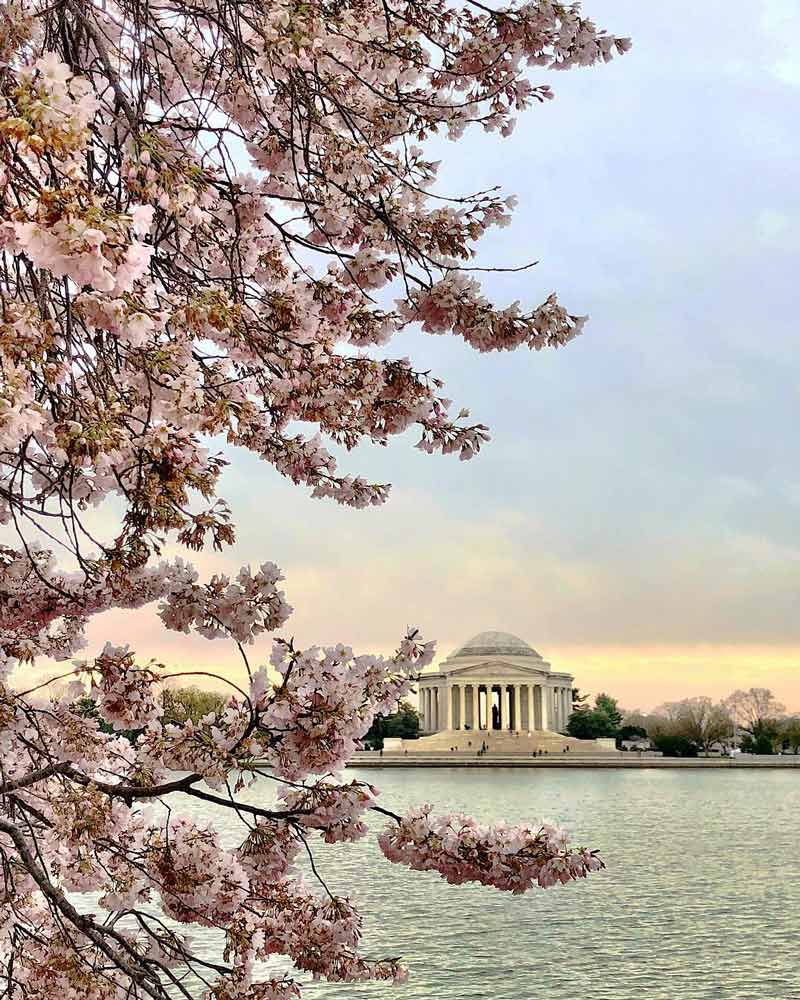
(197,880)
(337,811)
(44,611)
(211,747)
(320,933)
(507,857)
(328,700)
(124,693)
(240,610)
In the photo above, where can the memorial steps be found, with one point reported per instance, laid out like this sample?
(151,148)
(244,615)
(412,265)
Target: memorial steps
(504,742)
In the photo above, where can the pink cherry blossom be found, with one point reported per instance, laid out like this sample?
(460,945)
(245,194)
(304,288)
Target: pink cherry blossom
(211,216)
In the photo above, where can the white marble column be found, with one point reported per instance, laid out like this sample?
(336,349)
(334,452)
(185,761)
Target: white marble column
(449,707)
(529,701)
(545,692)
(462,706)
(518,707)
(509,696)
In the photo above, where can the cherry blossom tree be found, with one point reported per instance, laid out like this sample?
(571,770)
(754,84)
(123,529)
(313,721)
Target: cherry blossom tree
(212,214)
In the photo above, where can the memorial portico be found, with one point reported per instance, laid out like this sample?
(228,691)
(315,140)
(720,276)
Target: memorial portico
(496,681)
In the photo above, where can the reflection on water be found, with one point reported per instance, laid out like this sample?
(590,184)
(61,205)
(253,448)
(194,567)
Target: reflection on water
(701,900)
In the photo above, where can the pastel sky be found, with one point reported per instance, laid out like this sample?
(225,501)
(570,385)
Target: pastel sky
(636,516)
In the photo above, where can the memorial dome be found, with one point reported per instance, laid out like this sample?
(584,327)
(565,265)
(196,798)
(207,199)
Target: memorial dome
(494,644)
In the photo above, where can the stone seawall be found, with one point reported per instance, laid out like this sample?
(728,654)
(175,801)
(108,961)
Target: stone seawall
(372,759)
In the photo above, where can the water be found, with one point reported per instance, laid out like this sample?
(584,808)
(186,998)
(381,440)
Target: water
(701,899)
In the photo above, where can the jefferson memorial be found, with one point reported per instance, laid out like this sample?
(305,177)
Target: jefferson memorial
(495,682)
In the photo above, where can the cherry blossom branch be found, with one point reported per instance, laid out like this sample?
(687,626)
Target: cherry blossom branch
(138,974)
(34,777)
(214,270)
(91,29)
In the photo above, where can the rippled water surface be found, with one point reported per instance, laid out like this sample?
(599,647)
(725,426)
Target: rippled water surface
(701,899)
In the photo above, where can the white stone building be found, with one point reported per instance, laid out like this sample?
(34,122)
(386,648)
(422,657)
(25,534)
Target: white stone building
(495,682)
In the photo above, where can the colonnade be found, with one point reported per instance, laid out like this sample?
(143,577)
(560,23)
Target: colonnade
(494,705)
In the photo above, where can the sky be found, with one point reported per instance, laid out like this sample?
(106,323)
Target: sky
(635,516)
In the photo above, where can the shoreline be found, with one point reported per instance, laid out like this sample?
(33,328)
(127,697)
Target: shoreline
(390,760)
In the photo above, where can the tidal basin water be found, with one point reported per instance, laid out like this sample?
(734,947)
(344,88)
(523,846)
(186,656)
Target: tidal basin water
(700,901)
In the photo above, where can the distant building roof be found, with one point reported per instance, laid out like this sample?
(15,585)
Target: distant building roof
(495,644)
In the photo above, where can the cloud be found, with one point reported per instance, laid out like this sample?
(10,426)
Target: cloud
(778,230)
(636,510)
(781,23)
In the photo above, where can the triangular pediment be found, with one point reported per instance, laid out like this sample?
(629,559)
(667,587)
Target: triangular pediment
(498,668)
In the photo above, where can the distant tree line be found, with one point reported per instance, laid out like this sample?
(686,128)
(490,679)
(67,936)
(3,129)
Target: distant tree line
(752,720)
(402,724)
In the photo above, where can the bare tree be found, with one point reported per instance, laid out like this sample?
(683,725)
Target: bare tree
(635,717)
(758,713)
(664,720)
(753,708)
(790,732)
(703,721)
(700,720)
